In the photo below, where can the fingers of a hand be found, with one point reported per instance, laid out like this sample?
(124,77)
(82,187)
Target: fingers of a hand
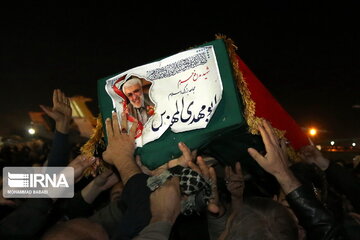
(81,162)
(63,98)
(266,138)
(67,101)
(88,161)
(283,144)
(112,179)
(115,124)
(227,171)
(59,96)
(185,151)
(283,147)
(107,173)
(78,159)
(124,124)
(194,167)
(138,161)
(55,97)
(143,168)
(132,132)
(213,208)
(212,174)
(270,131)
(193,155)
(203,167)
(109,128)
(256,155)
(46,109)
(238,170)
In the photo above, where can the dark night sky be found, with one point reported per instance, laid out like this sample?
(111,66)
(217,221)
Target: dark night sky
(307,55)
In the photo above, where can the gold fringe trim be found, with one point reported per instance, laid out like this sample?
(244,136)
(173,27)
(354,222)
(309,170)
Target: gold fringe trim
(89,148)
(249,105)
(294,157)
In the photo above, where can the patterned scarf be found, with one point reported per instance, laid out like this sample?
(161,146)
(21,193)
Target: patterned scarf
(192,185)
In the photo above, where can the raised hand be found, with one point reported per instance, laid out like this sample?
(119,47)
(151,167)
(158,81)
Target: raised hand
(275,160)
(235,184)
(80,163)
(209,174)
(165,202)
(283,146)
(106,180)
(186,157)
(99,184)
(311,154)
(121,147)
(149,172)
(120,144)
(60,112)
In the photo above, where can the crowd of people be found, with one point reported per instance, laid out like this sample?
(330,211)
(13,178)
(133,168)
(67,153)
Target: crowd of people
(194,196)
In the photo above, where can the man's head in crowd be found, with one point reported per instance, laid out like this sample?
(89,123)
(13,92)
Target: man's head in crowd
(78,228)
(262,219)
(133,91)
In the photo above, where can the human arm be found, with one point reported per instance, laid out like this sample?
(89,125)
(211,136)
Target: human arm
(61,113)
(121,147)
(344,181)
(216,211)
(275,160)
(208,173)
(235,185)
(100,183)
(318,222)
(165,208)
(186,157)
(60,150)
(165,202)
(341,178)
(81,204)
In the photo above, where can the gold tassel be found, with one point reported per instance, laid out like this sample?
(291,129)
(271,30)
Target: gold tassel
(249,105)
(293,155)
(89,148)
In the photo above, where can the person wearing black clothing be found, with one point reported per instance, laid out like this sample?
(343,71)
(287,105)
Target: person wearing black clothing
(318,222)
(342,179)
